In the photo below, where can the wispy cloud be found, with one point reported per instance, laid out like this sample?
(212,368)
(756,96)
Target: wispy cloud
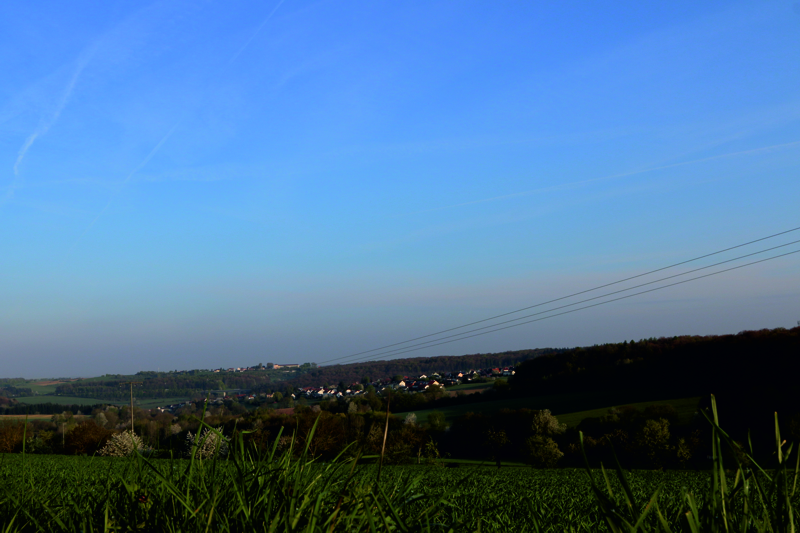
(574,184)
(48,121)
(163,140)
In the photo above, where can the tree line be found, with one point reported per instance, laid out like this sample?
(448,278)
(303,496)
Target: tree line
(749,373)
(17,408)
(649,438)
(164,385)
(758,362)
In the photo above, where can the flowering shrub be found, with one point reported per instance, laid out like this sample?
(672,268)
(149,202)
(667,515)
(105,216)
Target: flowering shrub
(124,444)
(208,443)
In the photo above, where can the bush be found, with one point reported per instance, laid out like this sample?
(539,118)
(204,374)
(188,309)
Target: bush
(542,452)
(124,444)
(544,423)
(437,421)
(653,441)
(11,435)
(86,438)
(208,444)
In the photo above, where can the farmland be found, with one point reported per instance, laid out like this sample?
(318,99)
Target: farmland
(281,484)
(470,387)
(63,400)
(470,498)
(576,406)
(685,408)
(500,500)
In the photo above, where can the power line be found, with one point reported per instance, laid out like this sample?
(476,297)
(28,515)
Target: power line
(565,297)
(593,305)
(390,352)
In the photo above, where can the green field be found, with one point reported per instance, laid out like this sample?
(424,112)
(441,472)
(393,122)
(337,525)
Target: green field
(247,491)
(146,403)
(571,407)
(686,408)
(40,389)
(501,500)
(64,400)
(470,386)
(469,498)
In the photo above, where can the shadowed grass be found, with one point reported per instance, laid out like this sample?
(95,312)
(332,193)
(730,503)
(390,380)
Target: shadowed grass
(280,490)
(287,490)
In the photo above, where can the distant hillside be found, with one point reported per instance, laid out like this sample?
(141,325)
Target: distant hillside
(163,384)
(7,402)
(14,387)
(414,366)
(750,373)
(750,360)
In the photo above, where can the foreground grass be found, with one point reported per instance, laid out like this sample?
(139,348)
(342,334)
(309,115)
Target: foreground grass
(250,492)
(291,492)
(508,499)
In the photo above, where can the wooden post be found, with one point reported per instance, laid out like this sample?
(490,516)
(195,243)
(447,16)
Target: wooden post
(385,433)
(131,383)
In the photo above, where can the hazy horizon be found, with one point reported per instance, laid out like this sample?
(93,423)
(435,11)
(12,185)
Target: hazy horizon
(195,186)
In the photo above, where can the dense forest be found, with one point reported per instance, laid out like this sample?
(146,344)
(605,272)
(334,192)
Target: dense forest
(649,369)
(750,373)
(752,367)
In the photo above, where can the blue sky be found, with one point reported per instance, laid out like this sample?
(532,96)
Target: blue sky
(204,184)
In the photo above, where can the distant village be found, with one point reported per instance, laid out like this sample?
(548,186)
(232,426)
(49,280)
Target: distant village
(258,367)
(408,384)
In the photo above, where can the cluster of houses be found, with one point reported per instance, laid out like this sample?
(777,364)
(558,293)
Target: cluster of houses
(256,368)
(173,407)
(419,383)
(268,366)
(216,400)
(407,384)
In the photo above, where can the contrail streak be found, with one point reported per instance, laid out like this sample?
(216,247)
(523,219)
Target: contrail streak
(164,139)
(242,49)
(149,156)
(603,178)
(45,125)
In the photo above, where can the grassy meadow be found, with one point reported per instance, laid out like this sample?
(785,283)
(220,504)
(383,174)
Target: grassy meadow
(285,489)
(496,500)
(38,388)
(686,409)
(64,400)
(570,408)
(470,387)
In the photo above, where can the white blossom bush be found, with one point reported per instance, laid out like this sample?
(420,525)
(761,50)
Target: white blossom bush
(124,444)
(208,443)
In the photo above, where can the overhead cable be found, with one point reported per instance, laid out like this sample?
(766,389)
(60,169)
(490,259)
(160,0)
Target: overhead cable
(562,297)
(579,308)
